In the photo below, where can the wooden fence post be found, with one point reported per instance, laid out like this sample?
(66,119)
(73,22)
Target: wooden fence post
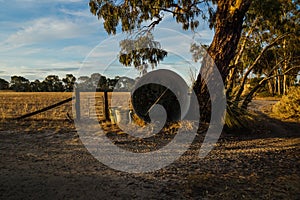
(77,103)
(106,108)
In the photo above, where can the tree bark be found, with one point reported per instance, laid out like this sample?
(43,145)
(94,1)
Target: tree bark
(228,28)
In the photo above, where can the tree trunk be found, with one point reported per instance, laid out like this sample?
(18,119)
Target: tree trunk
(284,85)
(228,28)
(261,84)
(270,87)
(232,79)
(249,97)
(285,66)
(275,85)
(279,85)
(245,76)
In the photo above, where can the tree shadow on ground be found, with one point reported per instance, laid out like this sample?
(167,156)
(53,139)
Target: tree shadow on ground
(262,127)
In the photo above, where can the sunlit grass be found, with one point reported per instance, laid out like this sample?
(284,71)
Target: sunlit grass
(15,104)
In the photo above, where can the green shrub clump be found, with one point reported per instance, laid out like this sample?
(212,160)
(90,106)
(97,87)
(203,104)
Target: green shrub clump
(289,106)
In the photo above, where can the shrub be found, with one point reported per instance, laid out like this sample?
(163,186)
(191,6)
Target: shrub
(289,105)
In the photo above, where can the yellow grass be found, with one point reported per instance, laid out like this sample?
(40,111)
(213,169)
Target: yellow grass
(15,104)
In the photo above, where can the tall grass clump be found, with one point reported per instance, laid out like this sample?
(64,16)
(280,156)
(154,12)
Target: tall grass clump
(236,117)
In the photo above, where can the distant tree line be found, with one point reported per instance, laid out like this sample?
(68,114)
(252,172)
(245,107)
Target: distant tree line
(52,83)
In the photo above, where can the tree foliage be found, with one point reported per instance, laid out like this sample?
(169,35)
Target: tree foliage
(19,83)
(4,85)
(269,48)
(52,83)
(69,82)
(131,14)
(141,52)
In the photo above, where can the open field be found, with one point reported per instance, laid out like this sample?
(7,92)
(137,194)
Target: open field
(15,104)
(43,158)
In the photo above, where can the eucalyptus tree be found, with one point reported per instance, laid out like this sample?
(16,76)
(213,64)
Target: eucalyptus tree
(269,48)
(69,82)
(226,17)
(19,84)
(52,83)
(36,86)
(4,85)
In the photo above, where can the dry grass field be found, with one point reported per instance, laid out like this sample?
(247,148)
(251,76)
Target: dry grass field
(15,104)
(42,157)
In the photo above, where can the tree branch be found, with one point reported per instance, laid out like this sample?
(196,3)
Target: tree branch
(150,27)
(249,97)
(241,89)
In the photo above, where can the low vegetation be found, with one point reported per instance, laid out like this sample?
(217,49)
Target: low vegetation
(289,106)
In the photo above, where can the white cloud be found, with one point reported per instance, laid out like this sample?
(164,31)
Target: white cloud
(27,71)
(45,30)
(77,13)
(77,50)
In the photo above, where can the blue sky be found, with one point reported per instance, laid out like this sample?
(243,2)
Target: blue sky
(40,38)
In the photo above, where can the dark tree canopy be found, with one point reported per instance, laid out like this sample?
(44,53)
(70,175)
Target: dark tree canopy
(69,82)
(19,83)
(4,85)
(52,83)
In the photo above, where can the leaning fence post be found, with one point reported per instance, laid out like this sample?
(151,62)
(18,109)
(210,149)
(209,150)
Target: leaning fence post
(77,103)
